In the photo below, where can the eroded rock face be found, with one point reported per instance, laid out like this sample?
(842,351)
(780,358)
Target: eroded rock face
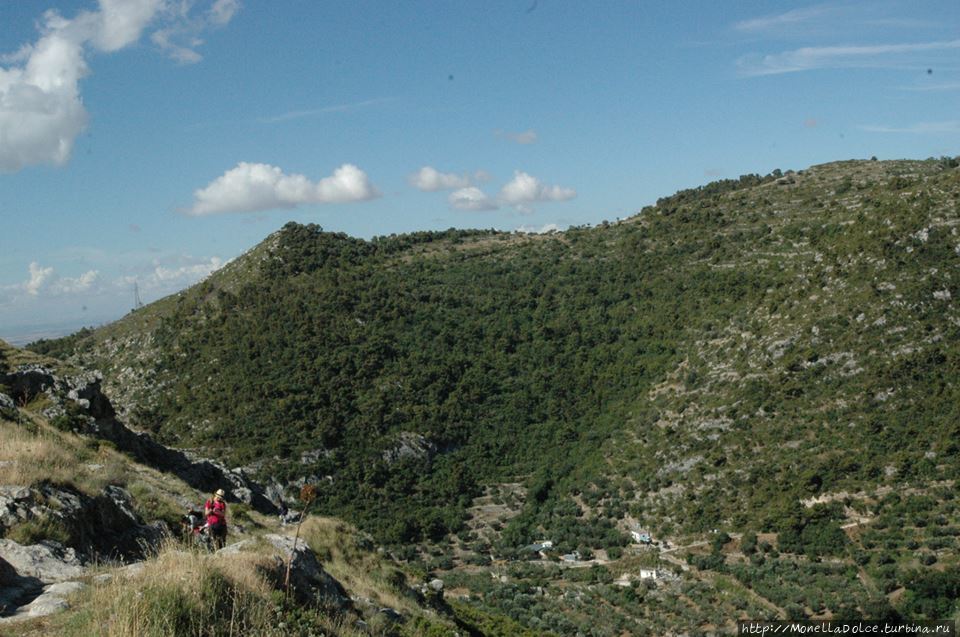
(91,414)
(410,445)
(101,526)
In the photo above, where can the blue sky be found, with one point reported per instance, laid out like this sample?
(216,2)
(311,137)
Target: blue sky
(151,141)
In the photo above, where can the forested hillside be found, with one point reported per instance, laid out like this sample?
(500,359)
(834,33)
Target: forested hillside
(709,362)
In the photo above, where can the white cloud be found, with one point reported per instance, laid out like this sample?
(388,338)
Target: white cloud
(41,110)
(471,198)
(38,279)
(524,189)
(83,283)
(163,277)
(789,19)
(166,39)
(526,137)
(544,229)
(223,11)
(180,36)
(120,22)
(809,58)
(920,128)
(45,281)
(429,179)
(251,187)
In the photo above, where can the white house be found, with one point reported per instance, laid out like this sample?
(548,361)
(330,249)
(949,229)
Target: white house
(640,537)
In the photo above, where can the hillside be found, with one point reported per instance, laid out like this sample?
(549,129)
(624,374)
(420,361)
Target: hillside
(772,356)
(90,543)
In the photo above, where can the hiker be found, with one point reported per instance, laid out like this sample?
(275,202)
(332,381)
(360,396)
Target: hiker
(216,512)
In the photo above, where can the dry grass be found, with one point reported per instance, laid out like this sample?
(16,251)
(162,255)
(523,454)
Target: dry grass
(27,458)
(185,592)
(35,452)
(364,573)
(180,592)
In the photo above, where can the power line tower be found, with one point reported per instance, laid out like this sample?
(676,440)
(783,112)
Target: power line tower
(137,301)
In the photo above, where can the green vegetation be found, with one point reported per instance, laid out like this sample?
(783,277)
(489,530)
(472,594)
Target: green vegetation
(37,529)
(179,589)
(775,356)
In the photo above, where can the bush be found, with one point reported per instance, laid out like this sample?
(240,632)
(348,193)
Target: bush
(748,544)
(37,529)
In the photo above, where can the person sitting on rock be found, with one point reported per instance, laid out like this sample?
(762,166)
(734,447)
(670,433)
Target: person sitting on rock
(216,511)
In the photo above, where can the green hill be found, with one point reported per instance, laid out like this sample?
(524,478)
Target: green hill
(91,544)
(723,360)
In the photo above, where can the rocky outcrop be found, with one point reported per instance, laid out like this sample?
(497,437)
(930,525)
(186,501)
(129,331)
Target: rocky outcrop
(36,580)
(78,403)
(30,381)
(102,526)
(410,445)
(308,580)
(47,561)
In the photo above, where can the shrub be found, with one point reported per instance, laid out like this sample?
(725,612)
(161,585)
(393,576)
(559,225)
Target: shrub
(37,529)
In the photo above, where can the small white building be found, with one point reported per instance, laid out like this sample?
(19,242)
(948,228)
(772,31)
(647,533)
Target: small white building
(650,573)
(641,537)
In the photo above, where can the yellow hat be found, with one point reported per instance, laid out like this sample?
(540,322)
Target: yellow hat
(219,493)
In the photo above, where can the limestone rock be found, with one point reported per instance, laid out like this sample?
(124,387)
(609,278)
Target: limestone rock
(309,581)
(48,561)
(410,445)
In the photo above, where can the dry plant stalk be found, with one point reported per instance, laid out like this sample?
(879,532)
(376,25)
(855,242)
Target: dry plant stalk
(307,495)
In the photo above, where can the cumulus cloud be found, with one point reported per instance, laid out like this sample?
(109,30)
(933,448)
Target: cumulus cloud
(430,179)
(165,277)
(41,111)
(45,281)
(38,279)
(82,283)
(544,229)
(119,23)
(471,198)
(520,192)
(526,137)
(525,189)
(252,187)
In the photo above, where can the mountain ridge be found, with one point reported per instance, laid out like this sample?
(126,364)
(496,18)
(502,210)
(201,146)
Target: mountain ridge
(337,265)
(735,358)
